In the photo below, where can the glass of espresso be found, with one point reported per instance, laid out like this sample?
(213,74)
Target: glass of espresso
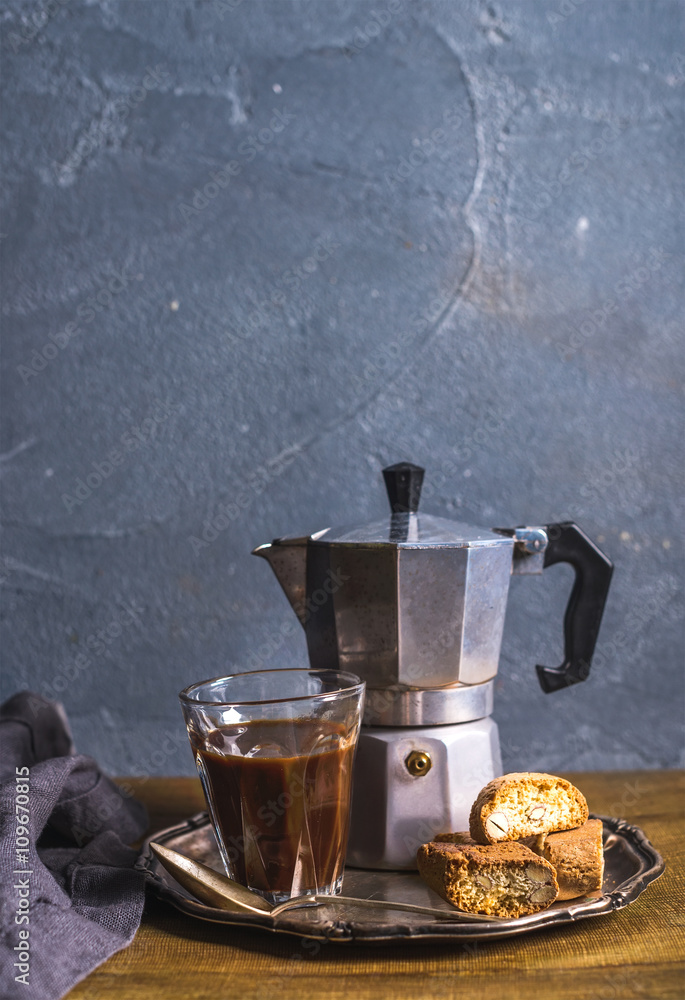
(274,750)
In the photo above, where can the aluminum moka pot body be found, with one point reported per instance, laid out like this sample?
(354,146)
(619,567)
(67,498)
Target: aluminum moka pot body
(415,604)
(400,602)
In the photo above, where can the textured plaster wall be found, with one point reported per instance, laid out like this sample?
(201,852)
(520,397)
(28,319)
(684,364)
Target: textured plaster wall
(254,252)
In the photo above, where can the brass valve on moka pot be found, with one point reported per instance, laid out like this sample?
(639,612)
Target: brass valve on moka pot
(415,605)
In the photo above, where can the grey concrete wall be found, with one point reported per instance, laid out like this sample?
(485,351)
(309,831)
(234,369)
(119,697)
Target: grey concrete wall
(260,250)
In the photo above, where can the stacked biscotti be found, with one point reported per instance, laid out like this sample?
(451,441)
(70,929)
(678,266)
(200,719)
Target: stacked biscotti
(529,843)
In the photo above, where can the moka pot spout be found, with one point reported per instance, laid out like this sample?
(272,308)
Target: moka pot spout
(288,559)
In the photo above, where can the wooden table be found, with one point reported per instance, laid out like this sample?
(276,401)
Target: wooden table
(636,952)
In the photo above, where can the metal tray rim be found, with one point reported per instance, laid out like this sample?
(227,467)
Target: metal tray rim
(359,931)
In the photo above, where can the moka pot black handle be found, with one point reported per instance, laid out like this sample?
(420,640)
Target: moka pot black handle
(568,544)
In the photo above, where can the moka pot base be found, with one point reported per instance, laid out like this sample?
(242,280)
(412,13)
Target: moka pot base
(413,782)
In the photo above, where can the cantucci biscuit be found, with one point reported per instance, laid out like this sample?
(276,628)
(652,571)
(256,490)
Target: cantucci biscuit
(461,837)
(525,804)
(501,880)
(536,843)
(578,859)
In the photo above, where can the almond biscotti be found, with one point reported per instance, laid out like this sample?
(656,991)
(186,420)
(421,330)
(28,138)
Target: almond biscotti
(536,843)
(578,859)
(501,880)
(525,804)
(460,837)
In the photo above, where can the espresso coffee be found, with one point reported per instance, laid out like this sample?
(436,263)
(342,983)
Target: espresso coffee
(279,795)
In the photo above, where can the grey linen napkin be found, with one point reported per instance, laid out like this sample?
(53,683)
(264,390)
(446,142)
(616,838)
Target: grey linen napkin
(70,896)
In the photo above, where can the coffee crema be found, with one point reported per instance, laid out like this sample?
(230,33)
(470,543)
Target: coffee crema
(279,795)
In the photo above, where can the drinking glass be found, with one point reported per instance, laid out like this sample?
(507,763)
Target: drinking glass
(274,750)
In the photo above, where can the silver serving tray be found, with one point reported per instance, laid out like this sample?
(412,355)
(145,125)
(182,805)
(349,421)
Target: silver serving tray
(631,863)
